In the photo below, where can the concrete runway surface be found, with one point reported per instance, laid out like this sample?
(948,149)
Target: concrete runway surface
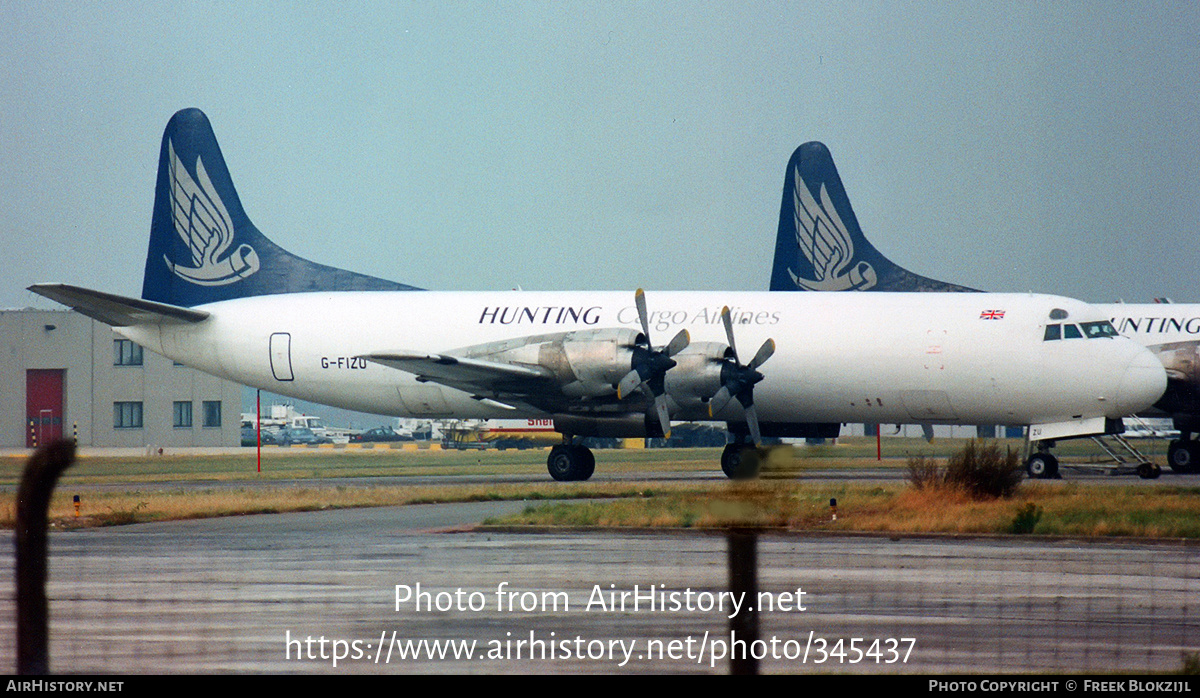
(317,593)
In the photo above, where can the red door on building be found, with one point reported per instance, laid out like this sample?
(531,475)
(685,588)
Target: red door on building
(43,405)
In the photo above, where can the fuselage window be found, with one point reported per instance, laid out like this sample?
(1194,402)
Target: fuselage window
(1052,332)
(1071,332)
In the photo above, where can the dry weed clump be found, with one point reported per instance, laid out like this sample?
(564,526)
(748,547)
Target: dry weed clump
(978,469)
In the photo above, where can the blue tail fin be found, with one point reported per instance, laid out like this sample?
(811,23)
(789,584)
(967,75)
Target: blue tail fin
(819,246)
(203,248)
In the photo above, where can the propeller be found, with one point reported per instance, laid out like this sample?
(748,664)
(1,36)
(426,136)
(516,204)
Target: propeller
(649,365)
(738,380)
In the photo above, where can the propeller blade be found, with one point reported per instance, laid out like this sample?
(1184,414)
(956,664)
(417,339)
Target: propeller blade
(650,365)
(718,401)
(752,422)
(764,352)
(639,299)
(664,419)
(728,322)
(738,380)
(631,382)
(679,343)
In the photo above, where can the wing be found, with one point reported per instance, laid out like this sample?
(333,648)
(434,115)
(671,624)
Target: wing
(574,371)
(201,219)
(820,232)
(496,383)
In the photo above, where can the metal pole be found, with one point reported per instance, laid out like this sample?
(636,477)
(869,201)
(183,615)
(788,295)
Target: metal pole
(743,583)
(258,424)
(33,504)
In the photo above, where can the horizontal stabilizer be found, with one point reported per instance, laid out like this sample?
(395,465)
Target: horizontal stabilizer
(118,311)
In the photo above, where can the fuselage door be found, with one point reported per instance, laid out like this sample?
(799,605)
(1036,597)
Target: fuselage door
(928,405)
(281,356)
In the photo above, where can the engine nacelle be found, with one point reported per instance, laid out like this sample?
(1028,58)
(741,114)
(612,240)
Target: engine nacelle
(590,363)
(595,360)
(697,373)
(587,363)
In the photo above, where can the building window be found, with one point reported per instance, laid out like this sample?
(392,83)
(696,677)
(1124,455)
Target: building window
(127,415)
(126,353)
(212,413)
(182,415)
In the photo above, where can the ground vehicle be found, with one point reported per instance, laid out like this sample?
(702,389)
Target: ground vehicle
(250,438)
(378,434)
(300,435)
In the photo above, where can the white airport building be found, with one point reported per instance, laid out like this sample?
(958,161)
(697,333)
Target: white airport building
(63,374)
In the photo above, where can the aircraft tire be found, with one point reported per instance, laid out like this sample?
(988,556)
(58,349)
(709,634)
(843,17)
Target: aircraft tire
(568,463)
(1184,456)
(587,464)
(1042,466)
(740,462)
(562,463)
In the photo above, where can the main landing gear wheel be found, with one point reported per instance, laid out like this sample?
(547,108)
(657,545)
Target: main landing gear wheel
(1184,456)
(1148,471)
(589,463)
(740,462)
(1042,466)
(570,462)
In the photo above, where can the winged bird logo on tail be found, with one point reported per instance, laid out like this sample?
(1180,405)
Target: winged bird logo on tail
(823,238)
(203,224)
(203,246)
(819,245)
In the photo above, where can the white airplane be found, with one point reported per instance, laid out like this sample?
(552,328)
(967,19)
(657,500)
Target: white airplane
(219,296)
(819,246)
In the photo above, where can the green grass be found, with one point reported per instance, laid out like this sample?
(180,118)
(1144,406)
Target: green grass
(294,463)
(106,508)
(1087,510)
(782,499)
(291,464)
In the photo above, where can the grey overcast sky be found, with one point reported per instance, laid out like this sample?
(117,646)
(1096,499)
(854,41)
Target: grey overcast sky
(1010,146)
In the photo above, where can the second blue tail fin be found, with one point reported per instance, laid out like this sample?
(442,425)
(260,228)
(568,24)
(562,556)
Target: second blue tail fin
(819,246)
(203,247)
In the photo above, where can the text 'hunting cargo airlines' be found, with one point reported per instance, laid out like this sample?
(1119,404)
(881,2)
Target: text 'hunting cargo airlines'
(819,246)
(221,297)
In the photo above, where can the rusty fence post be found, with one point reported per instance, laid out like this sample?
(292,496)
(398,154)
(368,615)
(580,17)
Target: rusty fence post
(743,582)
(33,505)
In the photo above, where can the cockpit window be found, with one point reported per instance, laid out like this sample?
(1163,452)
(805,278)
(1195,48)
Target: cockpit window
(1091,330)
(1098,329)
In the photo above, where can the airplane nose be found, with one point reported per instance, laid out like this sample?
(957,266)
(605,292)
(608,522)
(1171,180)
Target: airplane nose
(1143,384)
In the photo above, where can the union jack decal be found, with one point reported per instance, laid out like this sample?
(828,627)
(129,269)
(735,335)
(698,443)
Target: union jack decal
(992,315)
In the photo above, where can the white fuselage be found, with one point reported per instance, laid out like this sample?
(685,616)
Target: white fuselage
(876,358)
